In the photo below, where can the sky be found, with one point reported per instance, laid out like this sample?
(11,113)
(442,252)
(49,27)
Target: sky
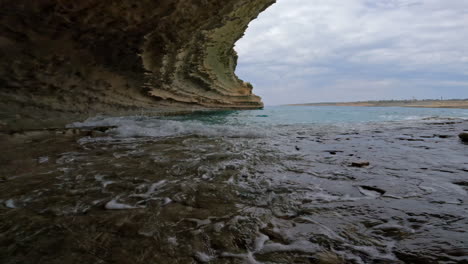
(304,51)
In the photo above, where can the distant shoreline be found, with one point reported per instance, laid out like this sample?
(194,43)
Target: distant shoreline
(460,104)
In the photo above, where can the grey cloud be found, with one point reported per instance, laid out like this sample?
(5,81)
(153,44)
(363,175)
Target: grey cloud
(321,48)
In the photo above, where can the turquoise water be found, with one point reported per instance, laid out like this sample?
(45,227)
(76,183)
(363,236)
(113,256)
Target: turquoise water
(325,115)
(268,121)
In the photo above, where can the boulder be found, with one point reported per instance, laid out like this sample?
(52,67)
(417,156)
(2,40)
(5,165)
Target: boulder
(464,137)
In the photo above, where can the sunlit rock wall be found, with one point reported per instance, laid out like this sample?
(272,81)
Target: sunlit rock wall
(61,61)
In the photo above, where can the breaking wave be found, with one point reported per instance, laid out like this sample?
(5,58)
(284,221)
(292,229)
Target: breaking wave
(137,126)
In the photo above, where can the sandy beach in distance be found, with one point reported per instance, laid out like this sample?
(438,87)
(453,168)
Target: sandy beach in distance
(462,104)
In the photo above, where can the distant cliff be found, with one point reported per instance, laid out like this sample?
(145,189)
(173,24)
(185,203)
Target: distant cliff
(68,60)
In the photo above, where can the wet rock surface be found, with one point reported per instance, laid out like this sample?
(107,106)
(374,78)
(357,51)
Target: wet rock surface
(287,197)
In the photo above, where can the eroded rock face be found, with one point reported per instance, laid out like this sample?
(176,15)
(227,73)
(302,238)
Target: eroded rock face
(66,60)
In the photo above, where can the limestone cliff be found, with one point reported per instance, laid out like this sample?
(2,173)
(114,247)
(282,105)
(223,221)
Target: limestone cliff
(65,60)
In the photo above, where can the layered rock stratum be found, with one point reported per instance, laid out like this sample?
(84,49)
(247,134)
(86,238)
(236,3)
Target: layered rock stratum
(67,60)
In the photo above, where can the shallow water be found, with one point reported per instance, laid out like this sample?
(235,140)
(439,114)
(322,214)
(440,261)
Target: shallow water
(271,186)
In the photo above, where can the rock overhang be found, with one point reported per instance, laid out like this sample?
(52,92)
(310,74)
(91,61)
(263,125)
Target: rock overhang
(68,60)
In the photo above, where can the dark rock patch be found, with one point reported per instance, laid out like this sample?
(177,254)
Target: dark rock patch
(360,164)
(373,189)
(410,139)
(333,152)
(461,183)
(443,136)
(463,137)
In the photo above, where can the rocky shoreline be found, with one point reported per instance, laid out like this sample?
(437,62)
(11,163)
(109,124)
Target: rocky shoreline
(382,193)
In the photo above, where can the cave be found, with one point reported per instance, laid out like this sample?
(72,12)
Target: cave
(63,61)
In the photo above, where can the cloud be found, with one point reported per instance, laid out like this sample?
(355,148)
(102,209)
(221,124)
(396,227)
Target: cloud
(326,49)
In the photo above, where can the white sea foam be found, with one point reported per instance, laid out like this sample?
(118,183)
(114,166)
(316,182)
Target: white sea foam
(199,222)
(374,253)
(151,189)
(260,241)
(115,205)
(106,183)
(43,159)
(173,241)
(248,258)
(10,204)
(414,118)
(218,226)
(129,127)
(204,258)
(68,157)
(167,201)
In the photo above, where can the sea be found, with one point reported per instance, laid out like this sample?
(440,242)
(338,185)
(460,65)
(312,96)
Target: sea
(285,184)
(261,122)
